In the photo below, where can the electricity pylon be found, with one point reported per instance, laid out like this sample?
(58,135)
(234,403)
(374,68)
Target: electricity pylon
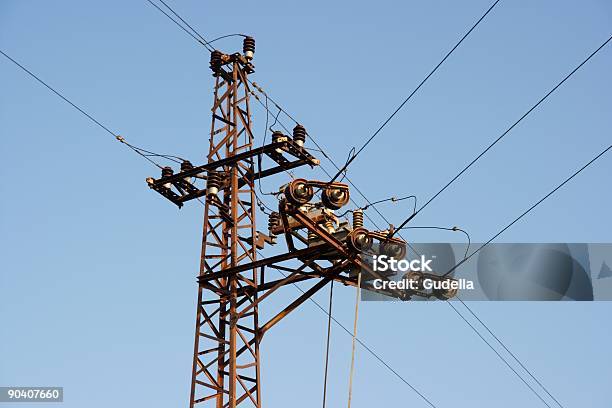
(232,282)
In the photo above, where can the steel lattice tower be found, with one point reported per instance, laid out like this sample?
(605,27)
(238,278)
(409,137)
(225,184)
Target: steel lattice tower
(232,282)
(226,351)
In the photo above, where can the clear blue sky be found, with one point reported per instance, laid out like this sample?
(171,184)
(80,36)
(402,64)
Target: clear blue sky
(97,288)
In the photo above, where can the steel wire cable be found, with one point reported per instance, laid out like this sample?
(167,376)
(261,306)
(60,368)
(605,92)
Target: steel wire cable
(531,208)
(448,54)
(326,172)
(454,229)
(373,204)
(354,342)
(339,170)
(510,352)
(323,169)
(362,344)
(485,326)
(490,146)
(369,204)
(118,137)
(201,40)
(448,302)
(137,150)
(347,331)
(329,320)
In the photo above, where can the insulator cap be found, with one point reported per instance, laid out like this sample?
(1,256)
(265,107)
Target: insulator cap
(274,221)
(393,250)
(167,171)
(186,165)
(358,218)
(214,179)
(216,60)
(329,226)
(298,192)
(334,197)
(299,134)
(276,135)
(312,236)
(359,240)
(248,47)
(213,182)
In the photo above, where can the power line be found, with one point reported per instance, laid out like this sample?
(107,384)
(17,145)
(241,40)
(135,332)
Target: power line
(323,169)
(331,299)
(330,316)
(207,44)
(498,354)
(356,319)
(142,152)
(509,352)
(481,322)
(193,33)
(203,41)
(365,346)
(200,40)
(357,339)
(393,200)
(352,158)
(505,132)
(227,36)
(454,229)
(340,171)
(567,180)
(137,150)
